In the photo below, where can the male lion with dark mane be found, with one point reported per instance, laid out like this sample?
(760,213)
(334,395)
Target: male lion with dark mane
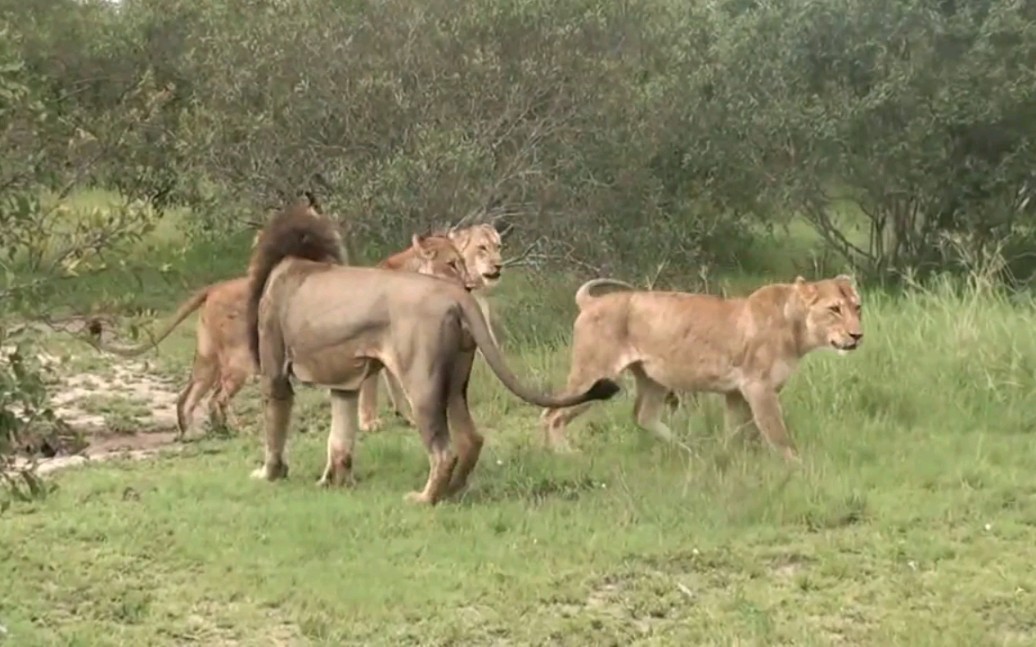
(745,348)
(221,356)
(331,325)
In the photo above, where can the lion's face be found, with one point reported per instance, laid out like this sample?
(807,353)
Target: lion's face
(481,247)
(438,256)
(833,316)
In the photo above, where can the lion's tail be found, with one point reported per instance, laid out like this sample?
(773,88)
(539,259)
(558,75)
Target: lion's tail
(189,306)
(471,314)
(585,292)
(297,232)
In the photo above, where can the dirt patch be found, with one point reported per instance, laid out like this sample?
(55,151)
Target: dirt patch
(119,411)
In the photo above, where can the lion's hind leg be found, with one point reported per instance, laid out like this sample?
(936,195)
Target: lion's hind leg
(429,399)
(278,398)
(235,369)
(230,383)
(341,441)
(204,374)
(589,363)
(462,427)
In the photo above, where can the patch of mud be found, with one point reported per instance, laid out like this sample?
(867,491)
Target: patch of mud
(136,447)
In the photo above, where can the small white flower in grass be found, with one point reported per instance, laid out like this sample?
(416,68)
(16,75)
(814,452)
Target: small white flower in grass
(989,527)
(499,462)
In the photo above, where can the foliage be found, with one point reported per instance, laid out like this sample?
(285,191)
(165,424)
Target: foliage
(598,130)
(44,240)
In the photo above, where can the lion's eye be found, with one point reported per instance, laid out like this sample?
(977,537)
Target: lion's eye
(835,308)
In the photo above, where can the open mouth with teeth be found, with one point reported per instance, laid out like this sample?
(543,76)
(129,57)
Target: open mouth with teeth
(492,276)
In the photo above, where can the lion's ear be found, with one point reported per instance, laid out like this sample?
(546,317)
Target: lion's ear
(806,290)
(418,243)
(458,236)
(846,284)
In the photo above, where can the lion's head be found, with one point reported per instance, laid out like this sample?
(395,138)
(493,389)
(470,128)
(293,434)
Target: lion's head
(833,313)
(438,256)
(480,245)
(307,205)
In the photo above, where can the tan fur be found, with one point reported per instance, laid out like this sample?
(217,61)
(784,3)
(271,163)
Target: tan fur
(480,247)
(433,255)
(331,326)
(744,348)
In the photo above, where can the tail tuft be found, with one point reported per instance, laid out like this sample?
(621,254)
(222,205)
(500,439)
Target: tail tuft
(603,389)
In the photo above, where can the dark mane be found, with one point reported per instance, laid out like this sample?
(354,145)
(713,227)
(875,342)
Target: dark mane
(297,232)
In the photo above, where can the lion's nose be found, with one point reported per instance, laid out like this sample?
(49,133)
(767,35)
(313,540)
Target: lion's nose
(857,336)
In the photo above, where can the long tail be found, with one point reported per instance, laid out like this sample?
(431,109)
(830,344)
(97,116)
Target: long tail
(189,306)
(602,389)
(299,231)
(585,292)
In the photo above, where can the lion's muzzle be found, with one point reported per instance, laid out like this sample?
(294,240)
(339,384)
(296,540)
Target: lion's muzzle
(852,342)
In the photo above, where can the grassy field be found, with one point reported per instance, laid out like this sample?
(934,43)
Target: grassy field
(911,522)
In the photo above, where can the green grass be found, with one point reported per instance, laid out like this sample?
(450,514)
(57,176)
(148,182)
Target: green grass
(911,522)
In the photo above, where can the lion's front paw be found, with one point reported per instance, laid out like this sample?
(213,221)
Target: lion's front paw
(270,472)
(418,497)
(791,456)
(331,479)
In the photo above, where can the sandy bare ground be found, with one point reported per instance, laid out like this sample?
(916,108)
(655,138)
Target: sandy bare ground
(144,403)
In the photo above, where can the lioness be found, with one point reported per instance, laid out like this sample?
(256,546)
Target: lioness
(745,348)
(221,356)
(480,245)
(330,325)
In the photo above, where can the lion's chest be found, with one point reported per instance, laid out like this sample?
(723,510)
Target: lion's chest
(781,371)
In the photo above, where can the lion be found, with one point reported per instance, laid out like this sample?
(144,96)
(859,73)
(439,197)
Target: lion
(318,322)
(745,348)
(221,357)
(480,245)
